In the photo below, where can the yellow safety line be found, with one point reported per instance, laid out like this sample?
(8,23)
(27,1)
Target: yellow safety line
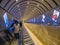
(34,38)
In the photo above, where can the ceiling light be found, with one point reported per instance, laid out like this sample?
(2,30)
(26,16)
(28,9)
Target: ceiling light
(16,0)
(55,20)
(43,16)
(43,20)
(42,0)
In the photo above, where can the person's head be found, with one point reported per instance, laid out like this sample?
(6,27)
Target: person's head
(15,21)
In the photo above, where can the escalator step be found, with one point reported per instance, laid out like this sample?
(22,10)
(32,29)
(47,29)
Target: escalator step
(26,36)
(27,40)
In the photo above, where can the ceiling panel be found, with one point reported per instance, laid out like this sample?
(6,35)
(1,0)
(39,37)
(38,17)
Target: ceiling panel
(3,3)
(42,6)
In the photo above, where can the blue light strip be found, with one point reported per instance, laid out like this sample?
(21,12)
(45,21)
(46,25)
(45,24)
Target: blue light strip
(6,19)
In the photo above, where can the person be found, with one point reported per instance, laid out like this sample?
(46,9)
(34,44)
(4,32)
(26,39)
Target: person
(16,29)
(20,24)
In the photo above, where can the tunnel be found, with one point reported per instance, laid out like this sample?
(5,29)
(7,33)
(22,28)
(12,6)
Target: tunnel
(38,22)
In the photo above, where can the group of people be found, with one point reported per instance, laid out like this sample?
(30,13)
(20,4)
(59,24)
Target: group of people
(12,32)
(16,28)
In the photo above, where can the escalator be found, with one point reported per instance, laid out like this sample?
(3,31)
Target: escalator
(24,39)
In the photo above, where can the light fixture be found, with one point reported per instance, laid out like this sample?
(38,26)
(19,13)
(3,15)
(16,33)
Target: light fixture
(16,0)
(48,23)
(6,19)
(42,0)
(43,20)
(55,20)
(43,16)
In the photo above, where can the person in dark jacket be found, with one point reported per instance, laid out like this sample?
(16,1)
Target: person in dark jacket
(16,29)
(20,24)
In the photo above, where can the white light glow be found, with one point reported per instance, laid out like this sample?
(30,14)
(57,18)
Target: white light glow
(43,16)
(16,0)
(42,0)
(6,19)
(55,20)
(48,23)
(43,20)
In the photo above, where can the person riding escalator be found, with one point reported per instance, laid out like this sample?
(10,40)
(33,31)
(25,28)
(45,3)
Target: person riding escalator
(16,30)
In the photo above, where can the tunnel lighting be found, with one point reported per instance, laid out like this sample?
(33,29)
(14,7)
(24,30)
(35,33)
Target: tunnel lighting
(6,19)
(48,23)
(55,23)
(42,0)
(16,0)
(43,20)
(43,16)
(55,20)
(34,20)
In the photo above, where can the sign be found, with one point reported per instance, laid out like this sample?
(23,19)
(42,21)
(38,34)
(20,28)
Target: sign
(55,15)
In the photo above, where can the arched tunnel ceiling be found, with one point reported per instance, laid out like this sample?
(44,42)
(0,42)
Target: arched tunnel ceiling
(25,9)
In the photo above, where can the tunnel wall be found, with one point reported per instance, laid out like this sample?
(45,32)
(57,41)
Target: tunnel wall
(2,23)
(48,17)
